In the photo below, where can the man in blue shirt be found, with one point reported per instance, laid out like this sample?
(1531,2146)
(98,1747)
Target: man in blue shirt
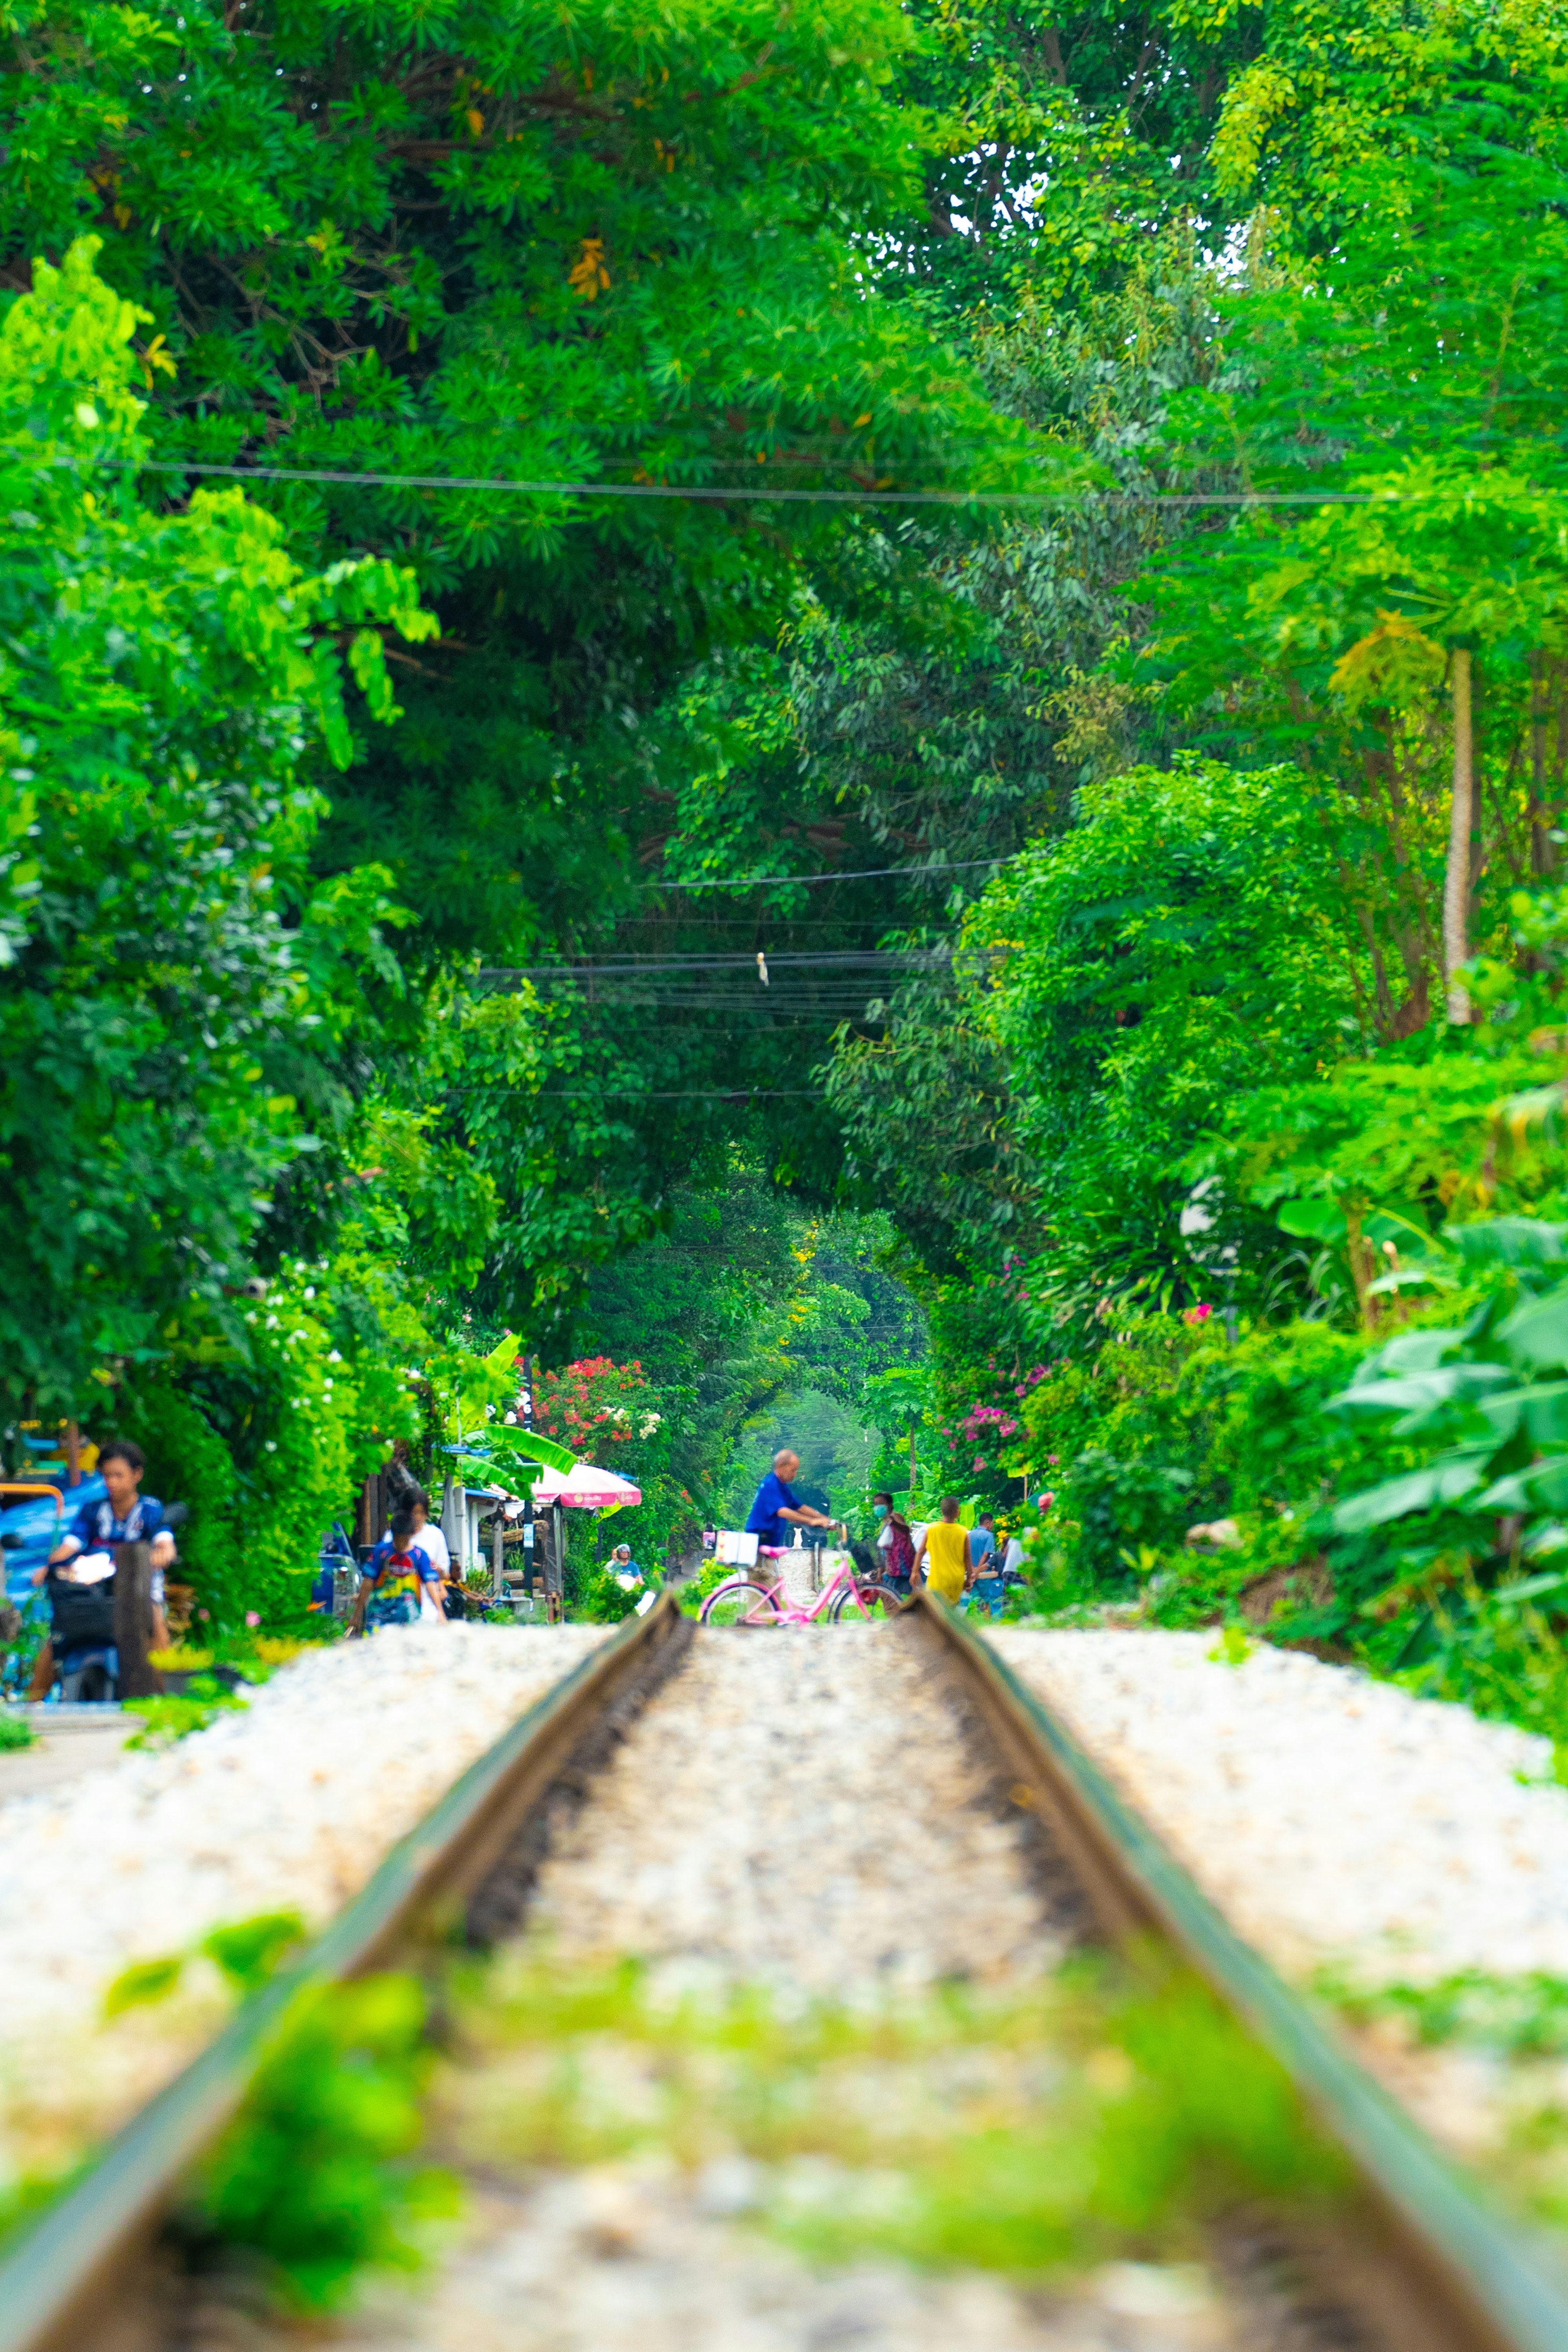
(778,1509)
(988,1591)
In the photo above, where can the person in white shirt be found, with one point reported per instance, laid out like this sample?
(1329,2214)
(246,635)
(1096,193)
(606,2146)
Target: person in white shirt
(427,1535)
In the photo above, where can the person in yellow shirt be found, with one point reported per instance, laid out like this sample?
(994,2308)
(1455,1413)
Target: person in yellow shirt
(945,1554)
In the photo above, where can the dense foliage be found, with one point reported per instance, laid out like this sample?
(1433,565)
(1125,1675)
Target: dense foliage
(1060,995)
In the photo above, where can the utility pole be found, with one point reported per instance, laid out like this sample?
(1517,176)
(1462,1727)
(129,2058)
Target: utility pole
(526,1401)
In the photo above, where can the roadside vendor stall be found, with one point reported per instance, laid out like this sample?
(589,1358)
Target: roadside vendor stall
(584,1487)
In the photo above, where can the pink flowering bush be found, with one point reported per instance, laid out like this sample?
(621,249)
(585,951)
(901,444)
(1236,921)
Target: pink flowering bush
(599,1408)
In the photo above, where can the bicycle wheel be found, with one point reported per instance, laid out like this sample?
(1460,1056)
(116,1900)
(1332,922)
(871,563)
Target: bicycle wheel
(866,1604)
(739,1603)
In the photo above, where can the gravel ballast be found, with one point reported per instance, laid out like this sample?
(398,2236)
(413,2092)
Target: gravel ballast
(800,1809)
(1333,1819)
(806,1811)
(611,2260)
(288,1805)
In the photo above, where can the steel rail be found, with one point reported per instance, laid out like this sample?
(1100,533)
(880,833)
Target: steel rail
(1459,2278)
(56,2283)
(1472,2281)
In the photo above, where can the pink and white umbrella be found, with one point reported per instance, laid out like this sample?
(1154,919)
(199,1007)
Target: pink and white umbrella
(585,1487)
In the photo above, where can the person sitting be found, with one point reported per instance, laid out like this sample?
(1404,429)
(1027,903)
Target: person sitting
(945,1554)
(624,1569)
(778,1507)
(88,1553)
(396,1575)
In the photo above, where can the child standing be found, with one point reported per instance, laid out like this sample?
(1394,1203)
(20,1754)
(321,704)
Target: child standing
(396,1574)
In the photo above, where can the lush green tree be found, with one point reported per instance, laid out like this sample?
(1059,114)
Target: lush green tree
(511,247)
(1396,624)
(1183,943)
(169,963)
(737,1307)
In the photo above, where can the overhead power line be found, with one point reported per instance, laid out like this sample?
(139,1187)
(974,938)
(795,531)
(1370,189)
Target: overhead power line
(707,493)
(796,960)
(643,1093)
(811,881)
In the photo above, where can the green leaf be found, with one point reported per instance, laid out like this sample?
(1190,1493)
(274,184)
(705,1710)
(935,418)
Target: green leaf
(1316,1220)
(1536,1333)
(517,1447)
(1447,1480)
(143,1983)
(250,1950)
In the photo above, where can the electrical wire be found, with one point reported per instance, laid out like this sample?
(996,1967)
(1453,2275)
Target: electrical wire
(706,493)
(810,881)
(643,1095)
(798,961)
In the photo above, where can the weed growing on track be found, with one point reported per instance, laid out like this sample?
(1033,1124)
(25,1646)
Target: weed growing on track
(1517,2026)
(1106,2112)
(317,2178)
(320,2177)
(207,1696)
(16,1732)
(1516,2017)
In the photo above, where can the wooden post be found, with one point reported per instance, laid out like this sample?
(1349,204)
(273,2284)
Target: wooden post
(1461,816)
(73,1453)
(133,1622)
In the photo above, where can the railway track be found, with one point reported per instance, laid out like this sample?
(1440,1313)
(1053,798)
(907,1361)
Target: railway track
(1418,2263)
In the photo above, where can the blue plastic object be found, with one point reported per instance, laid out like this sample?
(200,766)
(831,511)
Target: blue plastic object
(34,1520)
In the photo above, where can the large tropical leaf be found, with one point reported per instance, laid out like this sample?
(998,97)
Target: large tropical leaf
(1447,1480)
(1536,1333)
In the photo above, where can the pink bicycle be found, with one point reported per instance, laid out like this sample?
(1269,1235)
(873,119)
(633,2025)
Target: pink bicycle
(846,1597)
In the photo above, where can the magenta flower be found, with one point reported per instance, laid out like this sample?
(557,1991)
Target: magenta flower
(253,1616)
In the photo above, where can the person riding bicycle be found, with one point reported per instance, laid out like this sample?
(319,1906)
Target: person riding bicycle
(778,1507)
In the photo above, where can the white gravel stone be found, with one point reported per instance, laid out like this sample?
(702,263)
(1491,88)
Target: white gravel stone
(1333,1819)
(289,1805)
(797,1809)
(611,2260)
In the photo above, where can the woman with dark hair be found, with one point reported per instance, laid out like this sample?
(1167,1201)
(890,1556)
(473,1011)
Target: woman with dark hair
(895,1544)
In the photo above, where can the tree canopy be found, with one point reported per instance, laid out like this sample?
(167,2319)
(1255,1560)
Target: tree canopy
(564,843)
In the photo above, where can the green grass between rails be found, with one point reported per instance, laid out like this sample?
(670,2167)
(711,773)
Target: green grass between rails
(1113,2111)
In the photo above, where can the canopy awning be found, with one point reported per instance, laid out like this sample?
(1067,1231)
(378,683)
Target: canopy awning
(585,1487)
